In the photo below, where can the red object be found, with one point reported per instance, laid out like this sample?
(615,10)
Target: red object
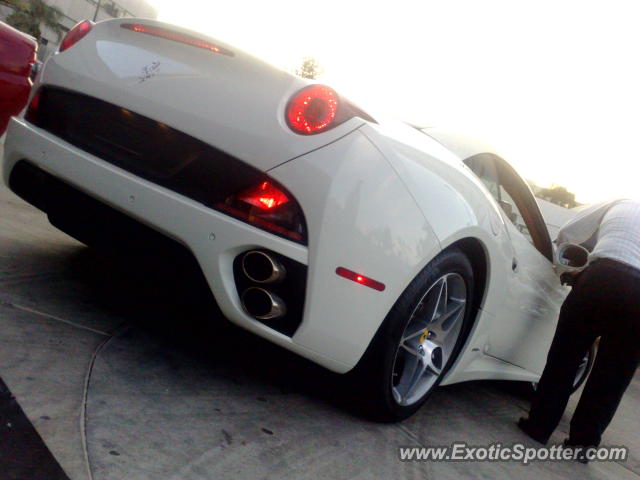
(77,33)
(361,279)
(259,222)
(312,110)
(176,37)
(269,207)
(265,196)
(17,56)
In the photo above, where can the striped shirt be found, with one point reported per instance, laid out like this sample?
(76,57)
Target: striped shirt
(608,230)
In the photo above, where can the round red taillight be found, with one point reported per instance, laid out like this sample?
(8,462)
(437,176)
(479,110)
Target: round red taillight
(312,109)
(76,34)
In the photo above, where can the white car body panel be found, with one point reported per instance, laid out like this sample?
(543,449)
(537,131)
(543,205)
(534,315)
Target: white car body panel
(380,199)
(352,183)
(527,317)
(218,99)
(520,308)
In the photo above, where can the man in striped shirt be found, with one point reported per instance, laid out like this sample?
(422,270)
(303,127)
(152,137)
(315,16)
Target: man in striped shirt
(605,303)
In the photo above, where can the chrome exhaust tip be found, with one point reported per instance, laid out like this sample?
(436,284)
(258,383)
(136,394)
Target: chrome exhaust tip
(260,267)
(262,304)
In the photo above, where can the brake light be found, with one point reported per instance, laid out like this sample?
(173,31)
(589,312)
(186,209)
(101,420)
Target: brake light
(313,109)
(269,207)
(76,34)
(176,37)
(265,196)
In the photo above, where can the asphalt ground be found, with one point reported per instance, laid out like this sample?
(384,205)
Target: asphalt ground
(112,369)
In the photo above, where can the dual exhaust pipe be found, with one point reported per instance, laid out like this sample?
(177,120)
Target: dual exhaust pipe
(264,269)
(262,304)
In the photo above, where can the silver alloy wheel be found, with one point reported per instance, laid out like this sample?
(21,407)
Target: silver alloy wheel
(580,374)
(582,368)
(428,339)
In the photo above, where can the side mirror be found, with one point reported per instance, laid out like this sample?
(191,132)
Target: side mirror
(571,258)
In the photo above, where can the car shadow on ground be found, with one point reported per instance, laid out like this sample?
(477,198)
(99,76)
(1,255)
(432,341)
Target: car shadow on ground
(170,301)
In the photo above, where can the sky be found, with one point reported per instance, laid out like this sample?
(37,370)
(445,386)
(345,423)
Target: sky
(554,86)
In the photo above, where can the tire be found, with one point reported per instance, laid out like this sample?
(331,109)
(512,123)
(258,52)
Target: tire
(585,367)
(583,371)
(385,375)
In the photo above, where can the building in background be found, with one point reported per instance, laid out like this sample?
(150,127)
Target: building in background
(74,11)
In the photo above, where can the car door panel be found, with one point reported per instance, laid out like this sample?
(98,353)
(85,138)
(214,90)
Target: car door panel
(525,320)
(526,323)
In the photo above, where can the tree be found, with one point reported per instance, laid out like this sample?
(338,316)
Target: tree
(310,68)
(558,195)
(30,14)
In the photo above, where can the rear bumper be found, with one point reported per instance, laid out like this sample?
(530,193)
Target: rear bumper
(213,238)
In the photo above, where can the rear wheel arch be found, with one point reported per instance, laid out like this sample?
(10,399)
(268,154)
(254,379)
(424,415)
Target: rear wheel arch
(478,257)
(469,252)
(477,254)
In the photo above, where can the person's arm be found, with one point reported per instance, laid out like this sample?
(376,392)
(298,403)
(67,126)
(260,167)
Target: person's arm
(583,226)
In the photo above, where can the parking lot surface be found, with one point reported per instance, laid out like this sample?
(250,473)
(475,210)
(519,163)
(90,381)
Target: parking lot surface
(126,371)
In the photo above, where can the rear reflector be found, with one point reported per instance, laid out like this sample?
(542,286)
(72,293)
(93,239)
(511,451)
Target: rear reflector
(361,279)
(176,37)
(76,34)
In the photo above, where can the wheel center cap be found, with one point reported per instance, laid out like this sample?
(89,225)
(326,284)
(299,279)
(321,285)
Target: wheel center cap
(431,355)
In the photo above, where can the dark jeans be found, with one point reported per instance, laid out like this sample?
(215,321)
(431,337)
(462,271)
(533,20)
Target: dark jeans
(605,303)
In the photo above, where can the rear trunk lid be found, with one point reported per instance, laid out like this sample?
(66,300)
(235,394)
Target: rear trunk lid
(227,99)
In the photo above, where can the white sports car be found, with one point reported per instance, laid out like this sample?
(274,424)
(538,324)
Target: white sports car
(406,257)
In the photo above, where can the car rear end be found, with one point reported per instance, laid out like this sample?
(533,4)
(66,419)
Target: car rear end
(138,129)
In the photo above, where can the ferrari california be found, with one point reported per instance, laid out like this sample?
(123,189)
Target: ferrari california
(404,257)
